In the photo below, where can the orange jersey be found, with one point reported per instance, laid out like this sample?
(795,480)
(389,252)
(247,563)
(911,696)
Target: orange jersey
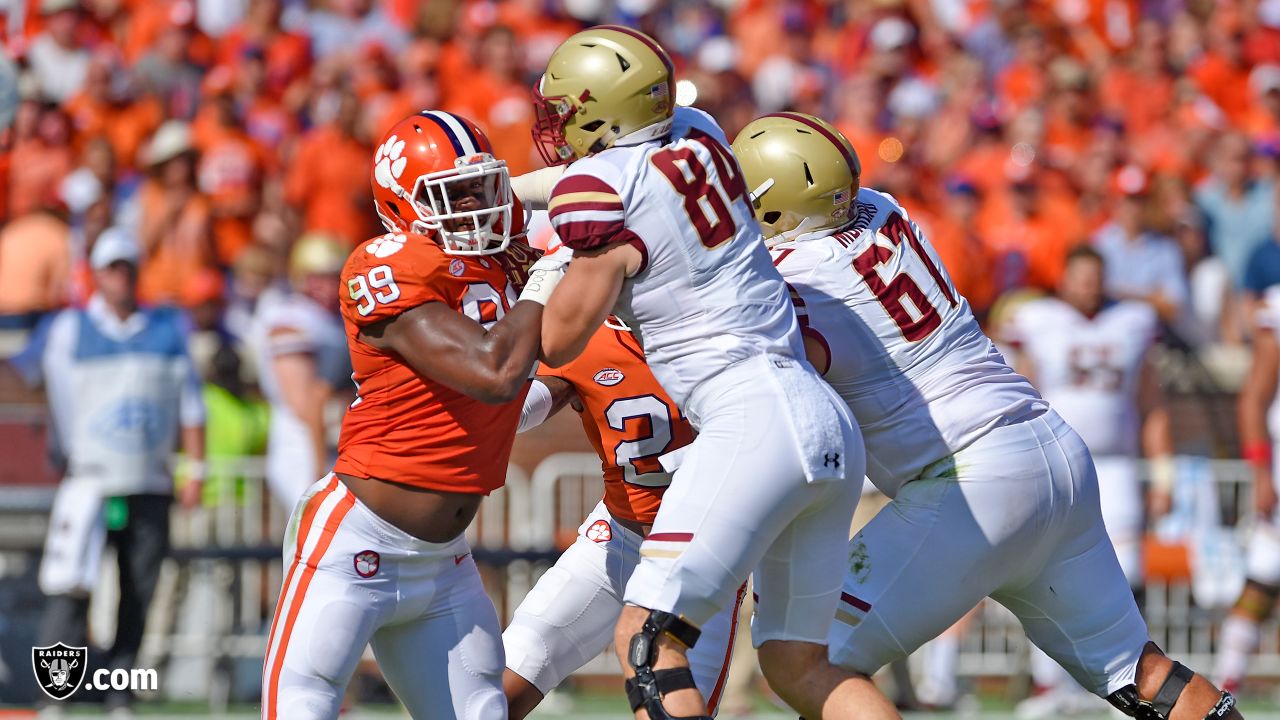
(629,419)
(404,427)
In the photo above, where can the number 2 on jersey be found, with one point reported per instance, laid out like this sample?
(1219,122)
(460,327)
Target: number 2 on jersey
(362,289)
(639,457)
(706,203)
(916,326)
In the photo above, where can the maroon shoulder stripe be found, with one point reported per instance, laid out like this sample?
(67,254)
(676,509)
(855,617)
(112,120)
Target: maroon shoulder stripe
(857,602)
(854,165)
(670,537)
(582,183)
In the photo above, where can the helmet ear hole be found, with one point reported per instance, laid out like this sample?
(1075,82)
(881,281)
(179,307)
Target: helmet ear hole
(772,217)
(394,208)
(808,175)
(622,62)
(593,125)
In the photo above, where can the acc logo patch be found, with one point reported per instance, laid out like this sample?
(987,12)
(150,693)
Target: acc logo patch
(366,562)
(609,377)
(599,532)
(59,669)
(456,267)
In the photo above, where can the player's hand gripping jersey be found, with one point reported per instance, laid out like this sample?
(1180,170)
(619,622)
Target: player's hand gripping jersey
(628,418)
(905,351)
(403,427)
(706,296)
(1089,368)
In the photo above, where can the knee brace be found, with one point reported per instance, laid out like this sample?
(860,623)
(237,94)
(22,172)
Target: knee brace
(1126,699)
(648,687)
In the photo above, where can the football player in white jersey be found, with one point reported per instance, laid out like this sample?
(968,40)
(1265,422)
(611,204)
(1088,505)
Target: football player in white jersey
(663,234)
(1259,412)
(1090,357)
(993,493)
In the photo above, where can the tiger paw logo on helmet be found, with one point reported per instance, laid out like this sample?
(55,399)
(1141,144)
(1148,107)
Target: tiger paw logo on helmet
(386,245)
(388,164)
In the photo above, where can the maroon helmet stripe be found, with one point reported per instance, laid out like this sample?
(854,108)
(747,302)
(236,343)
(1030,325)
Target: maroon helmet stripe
(844,151)
(648,42)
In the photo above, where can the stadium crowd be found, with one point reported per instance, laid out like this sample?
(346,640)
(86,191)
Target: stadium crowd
(220,131)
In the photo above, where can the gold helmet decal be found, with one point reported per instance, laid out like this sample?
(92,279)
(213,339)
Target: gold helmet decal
(601,85)
(802,173)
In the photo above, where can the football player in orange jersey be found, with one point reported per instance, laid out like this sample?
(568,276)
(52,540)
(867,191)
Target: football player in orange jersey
(568,617)
(442,348)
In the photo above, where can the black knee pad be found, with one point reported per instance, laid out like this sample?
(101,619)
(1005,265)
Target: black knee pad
(1158,708)
(648,687)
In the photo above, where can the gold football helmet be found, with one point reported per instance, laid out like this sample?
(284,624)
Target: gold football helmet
(802,173)
(602,84)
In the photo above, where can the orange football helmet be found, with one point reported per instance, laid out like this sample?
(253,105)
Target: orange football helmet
(435,174)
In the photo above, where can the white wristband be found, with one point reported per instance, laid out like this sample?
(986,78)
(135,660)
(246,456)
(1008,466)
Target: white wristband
(537,407)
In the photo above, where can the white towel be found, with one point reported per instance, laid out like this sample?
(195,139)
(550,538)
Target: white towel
(814,414)
(76,537)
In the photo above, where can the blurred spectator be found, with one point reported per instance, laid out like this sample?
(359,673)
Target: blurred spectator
(328,177)
(57,56)
(955,236)
(42,156)
(35,264)
(1028,243)
(230,171)
(497,97)
(286,56)
(175,222)
(1141,264)
(105,109)
(122,392)
(350,25)
(168,69)
(1239,210)
(301,350)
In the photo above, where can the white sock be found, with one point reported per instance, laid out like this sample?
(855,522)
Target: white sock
(1236,642)
(940,658)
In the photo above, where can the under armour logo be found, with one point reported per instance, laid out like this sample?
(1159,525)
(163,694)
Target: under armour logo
(830,459)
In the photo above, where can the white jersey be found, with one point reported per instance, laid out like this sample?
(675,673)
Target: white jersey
(906,353)
(1089,368)
(707,295)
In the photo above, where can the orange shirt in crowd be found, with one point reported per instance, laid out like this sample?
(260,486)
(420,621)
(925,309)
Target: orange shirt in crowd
(963,255)
(35,172)
(502,109)
(287,56)
(176,242)
(1224,83)
(1141,100)
(329,179)
(1020,85)
(628,418)
(1038,244)
(230,174)
(125,127)
(404,427)
(35,264)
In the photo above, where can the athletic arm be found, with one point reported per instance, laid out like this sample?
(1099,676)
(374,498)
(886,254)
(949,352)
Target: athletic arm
(1157,437)
(1256,394)
(448,347)
(547,396)
(583,299)
(305,394)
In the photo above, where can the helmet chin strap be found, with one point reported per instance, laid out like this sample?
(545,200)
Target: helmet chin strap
(806,225)
(653,131)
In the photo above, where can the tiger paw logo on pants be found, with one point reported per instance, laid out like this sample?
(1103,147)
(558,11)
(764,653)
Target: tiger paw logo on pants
(59,669)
